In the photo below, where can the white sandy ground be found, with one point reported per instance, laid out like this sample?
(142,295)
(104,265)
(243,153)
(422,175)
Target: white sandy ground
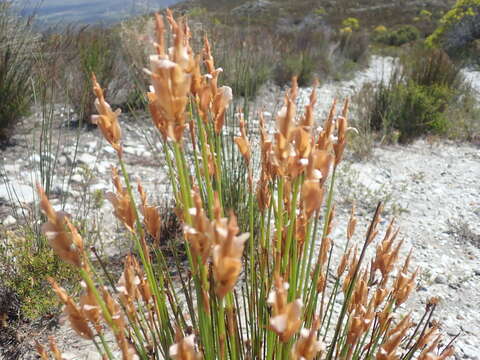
(429,186)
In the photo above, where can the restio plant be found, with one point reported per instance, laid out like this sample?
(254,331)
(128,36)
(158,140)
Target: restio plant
(17,48)
(275,290)
(94,49)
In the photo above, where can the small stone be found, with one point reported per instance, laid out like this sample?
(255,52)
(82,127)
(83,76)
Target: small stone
(15,193)
(454,286)
(440,279)
(476,272)
(470,352)
(91,146)
(93,356)
(109,149)
(9,221)
(35,158)
(63,160)
(87,159)
(77,178)
(69,356)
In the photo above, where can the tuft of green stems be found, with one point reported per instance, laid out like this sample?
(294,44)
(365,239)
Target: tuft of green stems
(260,317)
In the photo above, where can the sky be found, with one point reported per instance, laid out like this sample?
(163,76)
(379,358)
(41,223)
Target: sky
(91,11)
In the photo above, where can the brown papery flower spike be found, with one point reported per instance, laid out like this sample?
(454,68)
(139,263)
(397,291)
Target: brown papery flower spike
(171,75)
(54,348)
(77,317)
(107,120)
(286,317)
(307,346)
(123,207)
(200,234)
(184,349)
(151,216)
(55,229)
(227,256)
(339,146)
(243,143)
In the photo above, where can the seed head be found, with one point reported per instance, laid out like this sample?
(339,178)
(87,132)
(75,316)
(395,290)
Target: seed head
(107,120)
(55,229)
(286,317)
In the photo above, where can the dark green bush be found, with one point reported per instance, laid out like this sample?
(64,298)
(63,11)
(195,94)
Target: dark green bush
(303,54)
(94,50)
(418,109)
(246,59)
(458,28)
(300,65)
(26,267)
(432,67)
(402,35)
(353,46)
(16,64)
(418,96)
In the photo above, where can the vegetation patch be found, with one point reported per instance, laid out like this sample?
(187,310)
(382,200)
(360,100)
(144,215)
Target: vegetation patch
(402,35)
(424,88)
(458,28)
(26,267)
(17,48)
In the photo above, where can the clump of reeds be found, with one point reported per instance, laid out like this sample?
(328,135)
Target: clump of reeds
(17,46)
(266,288)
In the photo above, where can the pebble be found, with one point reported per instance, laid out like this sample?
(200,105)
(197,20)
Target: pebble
(108,150)
(93,356)
(440,279)
(77,178)
(9,221)
(14,193)
(87,159)
(471,352)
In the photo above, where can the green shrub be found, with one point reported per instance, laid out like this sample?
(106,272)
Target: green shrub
(304,55)
(418,110)
(353,46)
(300,65)
(26,267)
(17,45)
(246,59)
(417,97)
(458,27)
(351,23)
(246,71)
(94,50)
(402,35)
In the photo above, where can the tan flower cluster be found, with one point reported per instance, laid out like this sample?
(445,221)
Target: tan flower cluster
(217,239)
(286,316)
(176,78)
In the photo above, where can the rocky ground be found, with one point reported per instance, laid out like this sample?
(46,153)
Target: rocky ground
(432,188)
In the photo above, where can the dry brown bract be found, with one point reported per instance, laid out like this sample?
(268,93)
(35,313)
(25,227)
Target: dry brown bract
(227,255)
(286,317)
(107,120)
(61,241)
(184,349)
